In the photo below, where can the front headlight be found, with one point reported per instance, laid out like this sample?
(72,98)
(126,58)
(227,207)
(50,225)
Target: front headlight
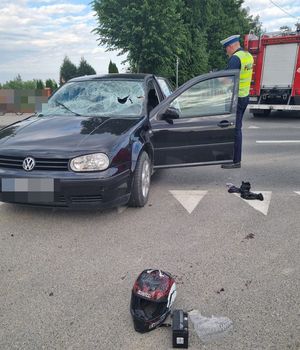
(90,162)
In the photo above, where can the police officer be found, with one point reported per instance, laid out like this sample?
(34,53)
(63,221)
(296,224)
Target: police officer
(242,60)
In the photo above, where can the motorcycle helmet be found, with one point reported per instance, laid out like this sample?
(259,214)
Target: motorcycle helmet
(152,296)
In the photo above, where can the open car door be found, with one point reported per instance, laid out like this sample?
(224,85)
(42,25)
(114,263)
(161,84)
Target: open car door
(195,125)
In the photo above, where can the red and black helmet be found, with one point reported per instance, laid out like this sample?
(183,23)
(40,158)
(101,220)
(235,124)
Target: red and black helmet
(153,294)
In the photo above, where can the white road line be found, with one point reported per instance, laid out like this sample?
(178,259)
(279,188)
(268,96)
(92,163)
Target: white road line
(261,206)
(253,127)
(189,199)
(297,192)
(278,141)
(1,203)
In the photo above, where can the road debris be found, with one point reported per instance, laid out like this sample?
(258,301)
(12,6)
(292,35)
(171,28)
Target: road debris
(244,191)
(220,291)
(210,328)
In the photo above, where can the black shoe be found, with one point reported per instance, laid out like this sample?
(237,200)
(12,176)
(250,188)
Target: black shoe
(231,165)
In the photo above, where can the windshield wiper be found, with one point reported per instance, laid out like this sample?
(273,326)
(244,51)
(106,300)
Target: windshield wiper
(67,108)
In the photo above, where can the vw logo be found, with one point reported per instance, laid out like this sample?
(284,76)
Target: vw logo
(28,163)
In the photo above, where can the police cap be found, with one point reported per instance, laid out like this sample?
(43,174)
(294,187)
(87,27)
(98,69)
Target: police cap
(230,40)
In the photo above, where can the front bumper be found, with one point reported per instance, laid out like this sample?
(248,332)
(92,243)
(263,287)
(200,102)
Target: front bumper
(70,190)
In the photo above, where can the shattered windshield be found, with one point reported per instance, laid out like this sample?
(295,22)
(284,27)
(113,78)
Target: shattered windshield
(111,98)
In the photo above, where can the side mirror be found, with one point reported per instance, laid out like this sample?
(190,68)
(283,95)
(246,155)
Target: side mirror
(170,114)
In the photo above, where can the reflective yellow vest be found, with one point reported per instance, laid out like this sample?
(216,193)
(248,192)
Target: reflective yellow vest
(246,72)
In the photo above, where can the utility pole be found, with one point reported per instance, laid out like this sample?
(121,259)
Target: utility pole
(177,64)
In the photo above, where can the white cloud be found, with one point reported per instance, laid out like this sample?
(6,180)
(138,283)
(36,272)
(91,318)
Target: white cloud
(272,16)
(60,9)
(34,39)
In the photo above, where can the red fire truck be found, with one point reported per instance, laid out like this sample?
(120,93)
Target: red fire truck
(276,72)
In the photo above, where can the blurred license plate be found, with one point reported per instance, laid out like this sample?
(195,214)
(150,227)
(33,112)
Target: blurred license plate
(27,185)
(27,190)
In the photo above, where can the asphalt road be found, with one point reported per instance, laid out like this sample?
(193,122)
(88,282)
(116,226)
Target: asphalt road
(66,277)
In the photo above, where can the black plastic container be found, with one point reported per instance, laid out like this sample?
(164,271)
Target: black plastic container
(180,329)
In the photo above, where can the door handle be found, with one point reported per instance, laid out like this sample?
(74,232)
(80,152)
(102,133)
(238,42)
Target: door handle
(225,124)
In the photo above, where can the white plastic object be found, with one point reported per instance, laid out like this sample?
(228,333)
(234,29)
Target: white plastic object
(209,328)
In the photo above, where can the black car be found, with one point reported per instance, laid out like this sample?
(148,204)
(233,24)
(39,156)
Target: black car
(99,138)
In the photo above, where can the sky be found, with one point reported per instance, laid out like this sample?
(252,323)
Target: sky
(36,35)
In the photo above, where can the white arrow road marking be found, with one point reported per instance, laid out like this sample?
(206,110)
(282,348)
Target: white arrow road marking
(278,141)
(262,206)
(253,127)
(189,199)
(297,192)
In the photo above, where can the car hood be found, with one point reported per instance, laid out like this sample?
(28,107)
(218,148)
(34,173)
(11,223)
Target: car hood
(65,133)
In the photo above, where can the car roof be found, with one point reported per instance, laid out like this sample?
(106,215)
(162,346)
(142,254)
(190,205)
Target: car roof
(130,76)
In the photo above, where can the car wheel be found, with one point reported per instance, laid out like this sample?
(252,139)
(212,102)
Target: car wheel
(141,182)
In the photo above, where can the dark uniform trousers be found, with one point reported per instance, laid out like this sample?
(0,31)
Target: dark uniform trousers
(241,107)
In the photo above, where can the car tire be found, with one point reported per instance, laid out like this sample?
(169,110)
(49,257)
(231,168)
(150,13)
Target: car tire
(141,181)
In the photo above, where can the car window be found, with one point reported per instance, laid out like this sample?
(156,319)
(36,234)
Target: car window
(166,88)
(98,98)
(152,98)
(209,97)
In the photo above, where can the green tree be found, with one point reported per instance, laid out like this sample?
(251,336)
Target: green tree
(84,68)
(68,71)
(222,18)
(29,84)
(49,84)
(40,85)
(55,86)
(194,59)
(17,83)
(151,33)
(154,33)
(112,67)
